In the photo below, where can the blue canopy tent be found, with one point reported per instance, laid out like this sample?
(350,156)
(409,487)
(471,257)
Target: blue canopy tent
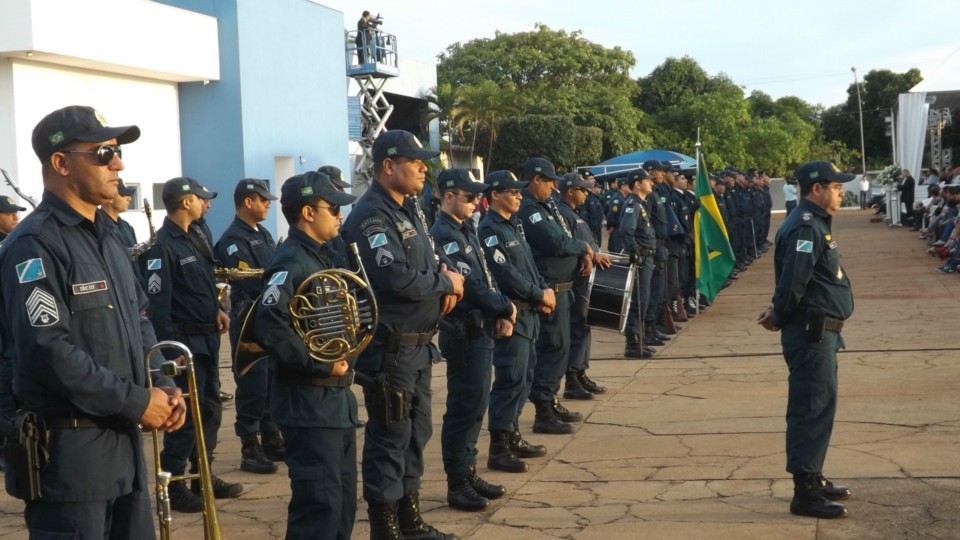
(622,165)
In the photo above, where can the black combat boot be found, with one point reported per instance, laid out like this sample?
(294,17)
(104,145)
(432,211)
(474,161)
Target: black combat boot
(573,387)
(501,456)
(383,521)
(461,494)
(653,330)
(832,492)
(482,487)
(808,499)
(590,385)
(633,348)
(251,456)
(273,446)
(564,414)
(182,499)
(522,448)
(546,421)
(412,526)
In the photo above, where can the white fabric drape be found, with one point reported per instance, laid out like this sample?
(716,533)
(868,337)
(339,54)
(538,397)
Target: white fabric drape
(911,130)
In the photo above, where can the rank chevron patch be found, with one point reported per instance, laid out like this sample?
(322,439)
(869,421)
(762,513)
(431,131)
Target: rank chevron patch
(42,308)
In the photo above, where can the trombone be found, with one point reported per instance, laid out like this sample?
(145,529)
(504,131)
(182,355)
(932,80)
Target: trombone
(211,526)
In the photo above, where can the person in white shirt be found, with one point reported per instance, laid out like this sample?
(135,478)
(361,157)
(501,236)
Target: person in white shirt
(790,194)
(864,192)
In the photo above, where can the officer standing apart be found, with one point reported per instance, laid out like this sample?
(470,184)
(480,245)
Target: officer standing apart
(640,242)
(413,290)
(181,262)
(467,337)
(84,375)
(812,299)
(245,245)
(559,258)
(514,357)
(312,401)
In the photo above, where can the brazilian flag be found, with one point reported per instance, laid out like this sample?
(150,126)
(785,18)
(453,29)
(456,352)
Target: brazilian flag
(714,256)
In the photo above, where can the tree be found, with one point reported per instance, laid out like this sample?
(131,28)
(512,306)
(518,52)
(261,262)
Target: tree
(671,83)
(551,136)
(481,107)
(441,100)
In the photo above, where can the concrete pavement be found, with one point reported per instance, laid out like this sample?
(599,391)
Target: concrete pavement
(690,444)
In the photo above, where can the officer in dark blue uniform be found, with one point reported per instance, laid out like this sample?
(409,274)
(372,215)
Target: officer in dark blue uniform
(75,338)
(591,211)
(467,337)
(113,209)
(336,243)
(812,299)
(657,209)
(559,258)
(182,262)
(413,290)
(515,357)
(8,216)
(574,191)
(311,401)
(245,245)
(640,241)
(614,213)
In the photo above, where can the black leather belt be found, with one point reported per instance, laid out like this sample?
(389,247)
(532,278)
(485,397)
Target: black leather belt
(562,287)
(523,305)
(329,382)
(194,329)
(69,418)
(395,341)
(833,325)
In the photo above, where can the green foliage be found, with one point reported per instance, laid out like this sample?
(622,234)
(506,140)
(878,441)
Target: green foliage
(553,137)
(589,145)
(481,107)
(671,83)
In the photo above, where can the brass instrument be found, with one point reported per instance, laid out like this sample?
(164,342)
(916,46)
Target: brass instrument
(143,247)
(211,525)
(226,275)
(334,311)
(16,188)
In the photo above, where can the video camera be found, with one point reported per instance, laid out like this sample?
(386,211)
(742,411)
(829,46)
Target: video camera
(375,21)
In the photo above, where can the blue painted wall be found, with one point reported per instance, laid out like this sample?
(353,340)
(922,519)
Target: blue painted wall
(281,93)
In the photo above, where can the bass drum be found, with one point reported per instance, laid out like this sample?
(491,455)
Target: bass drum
(611,292)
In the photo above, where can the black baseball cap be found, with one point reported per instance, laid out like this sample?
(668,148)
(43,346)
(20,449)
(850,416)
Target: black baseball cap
(76,123)
(653,165)
(175,188)
(254,185)
(336,176)
(501,180)
(587,174)
(124,190)
(639,175)
(572,180)
(821,172)
(309,185)
(667,166)
(7,205)
(459,179)
(399,143)
(541,166)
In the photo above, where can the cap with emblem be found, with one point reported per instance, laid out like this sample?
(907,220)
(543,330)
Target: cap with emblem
(76,123)
(586,174)
(254,185)
(668,166)
(653,165)
(399,143)
(639,175)
(541,166)
(7,205)
(501,180)
(459,179)
(124,190)
(821,172)
(572,180)
(336,176)
(175,188)
(310,185)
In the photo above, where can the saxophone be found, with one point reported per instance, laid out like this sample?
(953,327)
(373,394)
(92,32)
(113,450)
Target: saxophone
(143,247)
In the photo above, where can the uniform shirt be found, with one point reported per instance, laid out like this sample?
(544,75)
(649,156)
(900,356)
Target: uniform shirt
(403,271)
(127,234)
(246,248)
(592,213)
(636,229)
(3,236)
(511,262)
(789,192)
(614,209)
(297,258)
(77,312)
(731,202)
(807,267)
(205,233)
(577,225)
(555,253)
(175,265)
(657,207)
(678,203)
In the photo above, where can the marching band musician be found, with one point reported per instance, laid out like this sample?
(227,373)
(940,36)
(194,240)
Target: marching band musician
(181,261)
(245,245)
(311,401)
(413,290)
(75,336)
(466,340)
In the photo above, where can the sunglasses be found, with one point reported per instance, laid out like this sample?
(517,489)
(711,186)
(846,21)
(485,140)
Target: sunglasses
(469,197)
(333,208)
(104,153)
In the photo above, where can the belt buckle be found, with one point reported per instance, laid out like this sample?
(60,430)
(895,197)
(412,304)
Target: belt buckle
(349,376)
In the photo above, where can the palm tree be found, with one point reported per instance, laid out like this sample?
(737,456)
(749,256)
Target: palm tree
(441,101)
(482,107)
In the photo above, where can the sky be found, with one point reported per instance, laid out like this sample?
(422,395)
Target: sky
(803,49)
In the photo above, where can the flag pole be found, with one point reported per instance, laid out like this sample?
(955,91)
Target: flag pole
(696,217)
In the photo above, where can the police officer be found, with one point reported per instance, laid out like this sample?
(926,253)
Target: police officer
(336,243)
(8,216)
(614,212)
(559,258)
(412,291)
(467,337)
(640,241)
(591,211)
(245,245)
(311,401)
(113,209)
(812,299)
(182,262)
(515,357)
(574,192)
(657,210)
(75,339)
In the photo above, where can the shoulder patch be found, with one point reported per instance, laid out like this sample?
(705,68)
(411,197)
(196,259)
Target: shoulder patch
(271,296)
(41,308)
(384,257)
(464,268)
(451,248)
(807,216)
(30,270)
(377,240)
(154,284)
(491,241)
(373,225)
(804,246)
(231,249)
(499,257)
(512,243)
(628,210)
(536,217)
(154,264)
(278,278)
